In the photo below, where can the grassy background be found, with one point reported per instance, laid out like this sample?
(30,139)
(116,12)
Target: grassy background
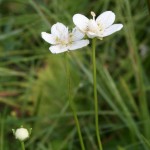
(33,83)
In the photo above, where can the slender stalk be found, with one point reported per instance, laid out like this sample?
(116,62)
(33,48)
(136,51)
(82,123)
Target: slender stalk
(2,133)
(73,106)
(22,145)
(95,95)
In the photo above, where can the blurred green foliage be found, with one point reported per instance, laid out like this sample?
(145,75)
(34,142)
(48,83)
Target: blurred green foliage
(33,83)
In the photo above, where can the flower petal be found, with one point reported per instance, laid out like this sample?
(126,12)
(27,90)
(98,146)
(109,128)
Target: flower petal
(112,29)
(48,38)
(91,35)
(92,26)
(59,29)
(81,22)
(93,29)
(77,34)
(58,49)
(78,44)
(106,19)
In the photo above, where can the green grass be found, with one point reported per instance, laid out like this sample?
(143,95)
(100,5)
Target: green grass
(33,82)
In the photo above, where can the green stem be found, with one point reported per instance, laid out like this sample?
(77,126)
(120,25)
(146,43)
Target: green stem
(22,145)
(73,107)
(95,95)
(2,133)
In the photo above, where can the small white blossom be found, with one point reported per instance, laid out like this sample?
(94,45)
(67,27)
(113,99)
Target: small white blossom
(62,40)
(21,134)
(100,27)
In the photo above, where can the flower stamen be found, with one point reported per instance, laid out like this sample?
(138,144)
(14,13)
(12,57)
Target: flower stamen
(93,15)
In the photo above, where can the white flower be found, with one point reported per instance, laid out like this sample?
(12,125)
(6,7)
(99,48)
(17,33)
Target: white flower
(101,27)
(21,134)
(62,40)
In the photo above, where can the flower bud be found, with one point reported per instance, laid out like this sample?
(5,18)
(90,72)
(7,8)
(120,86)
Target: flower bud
(21,134)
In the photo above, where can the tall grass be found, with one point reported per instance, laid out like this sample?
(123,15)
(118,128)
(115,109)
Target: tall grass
(33,86)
